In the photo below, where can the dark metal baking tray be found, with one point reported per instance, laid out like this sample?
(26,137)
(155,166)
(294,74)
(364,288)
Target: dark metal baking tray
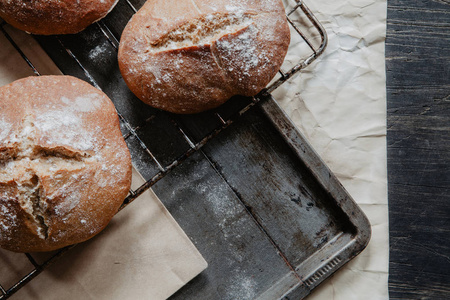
(258,202)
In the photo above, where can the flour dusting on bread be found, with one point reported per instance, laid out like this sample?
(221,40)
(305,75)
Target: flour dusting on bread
(189,56)
(63,159)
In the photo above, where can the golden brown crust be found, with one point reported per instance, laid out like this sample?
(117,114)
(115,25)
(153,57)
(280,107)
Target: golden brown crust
(54,16)
(188,56)
(65,168)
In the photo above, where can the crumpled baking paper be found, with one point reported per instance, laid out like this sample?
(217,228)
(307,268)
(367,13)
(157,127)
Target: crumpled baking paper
(339,104)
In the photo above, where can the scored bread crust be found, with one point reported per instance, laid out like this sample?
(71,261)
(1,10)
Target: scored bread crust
(64,166)
(47,17)
(188,56)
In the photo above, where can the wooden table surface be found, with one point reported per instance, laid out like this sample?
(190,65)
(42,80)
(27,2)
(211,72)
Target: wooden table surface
(418,96)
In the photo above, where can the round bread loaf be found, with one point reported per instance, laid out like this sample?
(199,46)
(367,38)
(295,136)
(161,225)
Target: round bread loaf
(187,56)
(54,16)
(64,166)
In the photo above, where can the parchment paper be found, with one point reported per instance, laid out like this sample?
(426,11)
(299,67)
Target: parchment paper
(142,254)
(339,103)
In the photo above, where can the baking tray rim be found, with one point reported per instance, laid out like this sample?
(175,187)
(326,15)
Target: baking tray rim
(350,245)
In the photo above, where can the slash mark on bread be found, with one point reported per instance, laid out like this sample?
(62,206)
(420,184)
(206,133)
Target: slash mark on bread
(21,154)
(30,201)
(201,31)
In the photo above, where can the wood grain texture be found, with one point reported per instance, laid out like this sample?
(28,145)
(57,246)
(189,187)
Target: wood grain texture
(418,85)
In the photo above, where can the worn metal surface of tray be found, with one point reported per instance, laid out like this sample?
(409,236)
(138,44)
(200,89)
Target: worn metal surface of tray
(258,202)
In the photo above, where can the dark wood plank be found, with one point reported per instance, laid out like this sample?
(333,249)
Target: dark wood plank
(418,85)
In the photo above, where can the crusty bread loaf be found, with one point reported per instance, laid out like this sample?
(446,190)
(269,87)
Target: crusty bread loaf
(187,56)
(64,166)
(54,16)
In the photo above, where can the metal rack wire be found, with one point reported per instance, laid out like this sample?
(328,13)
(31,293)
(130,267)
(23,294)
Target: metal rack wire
(194,144)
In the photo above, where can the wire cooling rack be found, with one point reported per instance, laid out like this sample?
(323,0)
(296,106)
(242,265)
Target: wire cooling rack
(155,162)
